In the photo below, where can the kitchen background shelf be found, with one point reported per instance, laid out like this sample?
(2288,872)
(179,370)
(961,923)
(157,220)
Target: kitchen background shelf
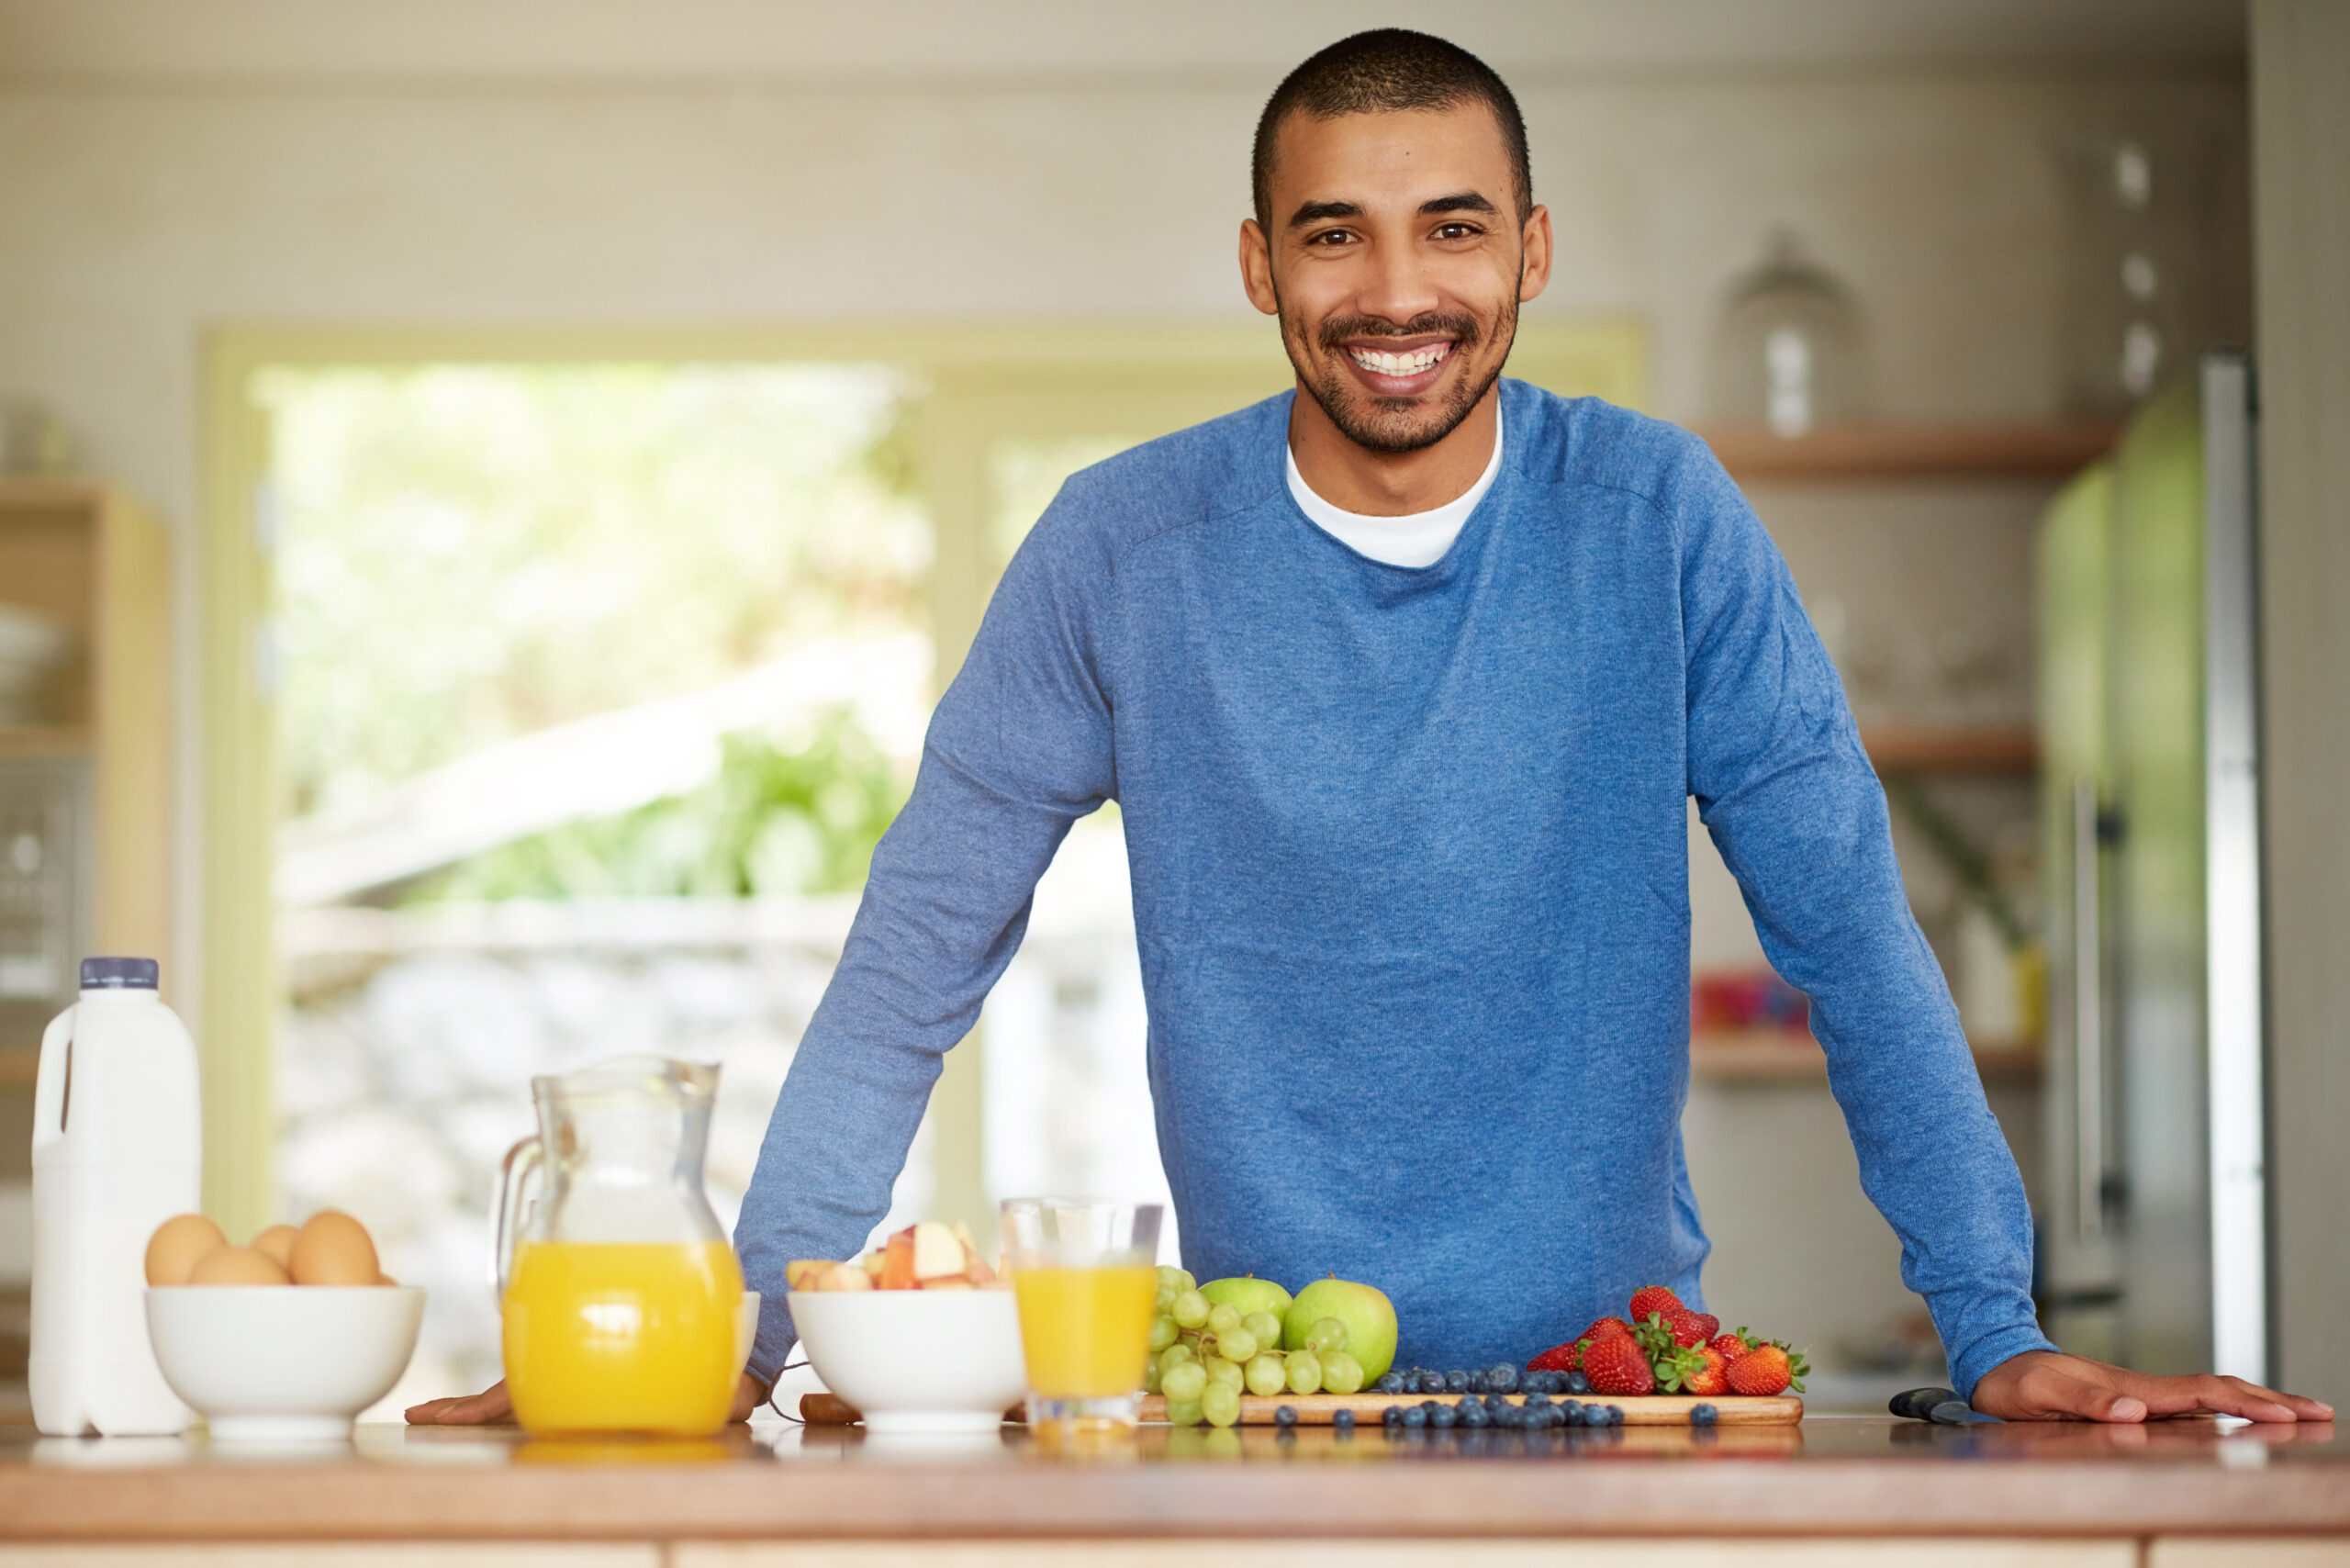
(1779,1054)
(1931,748)
(1913,451)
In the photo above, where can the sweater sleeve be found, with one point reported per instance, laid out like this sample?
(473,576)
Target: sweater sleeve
(1018,749)
(1791,801)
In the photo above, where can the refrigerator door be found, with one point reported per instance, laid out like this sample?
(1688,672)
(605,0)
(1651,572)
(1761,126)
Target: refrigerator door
(2079,1261)
(2234,1029)
(2156,942)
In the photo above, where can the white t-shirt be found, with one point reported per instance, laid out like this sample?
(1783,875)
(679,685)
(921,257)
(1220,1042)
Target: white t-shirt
(1418,540)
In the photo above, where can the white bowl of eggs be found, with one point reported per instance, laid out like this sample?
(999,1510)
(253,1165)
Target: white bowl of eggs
(285,1340)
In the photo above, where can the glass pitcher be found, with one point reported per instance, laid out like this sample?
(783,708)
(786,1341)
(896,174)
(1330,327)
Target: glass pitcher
(620,1296)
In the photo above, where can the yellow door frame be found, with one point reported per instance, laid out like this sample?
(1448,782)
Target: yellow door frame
(979,385)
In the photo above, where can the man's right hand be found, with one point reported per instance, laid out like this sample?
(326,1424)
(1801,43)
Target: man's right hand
(493,1407)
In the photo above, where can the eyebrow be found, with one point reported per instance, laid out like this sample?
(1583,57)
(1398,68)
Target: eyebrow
(1459,201)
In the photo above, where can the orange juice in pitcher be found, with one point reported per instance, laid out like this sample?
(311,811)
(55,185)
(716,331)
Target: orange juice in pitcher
(619,1292)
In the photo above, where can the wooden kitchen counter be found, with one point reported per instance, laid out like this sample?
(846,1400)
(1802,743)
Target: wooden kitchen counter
(2173,1495)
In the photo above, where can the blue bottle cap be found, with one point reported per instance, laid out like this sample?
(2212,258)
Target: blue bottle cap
(119,974)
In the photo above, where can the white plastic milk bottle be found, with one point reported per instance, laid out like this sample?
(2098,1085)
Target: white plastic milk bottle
(116,1151)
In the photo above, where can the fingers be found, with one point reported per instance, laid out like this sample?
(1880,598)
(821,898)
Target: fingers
(491,1406)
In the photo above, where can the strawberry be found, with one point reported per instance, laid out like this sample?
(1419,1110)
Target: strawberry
(1675,1367)
(1557,1359)
(1688,1327)
(1710,1378)
(1605,1325)
(1653,1298)
(1732,1346)
(1617,1364)
(1768,1368)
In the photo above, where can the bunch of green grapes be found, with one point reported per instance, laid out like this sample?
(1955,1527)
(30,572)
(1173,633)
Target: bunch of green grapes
(1204,1358)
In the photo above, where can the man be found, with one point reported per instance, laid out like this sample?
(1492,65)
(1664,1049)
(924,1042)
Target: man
(1402,681)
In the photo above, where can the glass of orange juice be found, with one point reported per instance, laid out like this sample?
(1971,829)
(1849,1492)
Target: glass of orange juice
(1084,1272)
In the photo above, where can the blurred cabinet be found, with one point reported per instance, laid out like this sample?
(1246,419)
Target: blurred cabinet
(85,769)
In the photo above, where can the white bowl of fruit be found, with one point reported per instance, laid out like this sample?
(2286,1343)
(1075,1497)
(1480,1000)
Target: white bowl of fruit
(920,1335)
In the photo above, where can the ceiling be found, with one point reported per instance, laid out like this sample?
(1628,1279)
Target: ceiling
(327,42)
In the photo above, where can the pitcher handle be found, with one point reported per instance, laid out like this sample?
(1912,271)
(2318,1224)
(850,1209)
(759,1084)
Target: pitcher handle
(52,1078)
(523,1165)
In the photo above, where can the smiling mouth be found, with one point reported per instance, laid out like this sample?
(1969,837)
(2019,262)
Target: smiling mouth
(1400,364)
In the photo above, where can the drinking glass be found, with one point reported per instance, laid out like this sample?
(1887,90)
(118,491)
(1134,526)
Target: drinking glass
(1084,1273)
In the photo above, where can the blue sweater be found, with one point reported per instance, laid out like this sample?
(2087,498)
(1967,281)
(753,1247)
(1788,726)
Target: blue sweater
(1411,888)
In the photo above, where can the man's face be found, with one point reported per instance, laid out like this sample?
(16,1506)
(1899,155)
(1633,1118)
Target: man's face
(1396,264)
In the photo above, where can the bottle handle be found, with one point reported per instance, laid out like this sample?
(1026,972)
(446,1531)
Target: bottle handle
(53,1079)
(524,1166)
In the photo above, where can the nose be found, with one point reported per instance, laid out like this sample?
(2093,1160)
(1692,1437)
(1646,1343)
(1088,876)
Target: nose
(1399,288)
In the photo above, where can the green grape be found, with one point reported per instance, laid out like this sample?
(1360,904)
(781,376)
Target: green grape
(1223,1320)
(1220,1442)
(1221,1406)
(1236,1345)
(1266,1327)
(1186,1414)
(1190,1309)
(1183,1385)
(1326,1335)
(1150,1376)
(1164,1299)
(1184,1281)
(1268,1375)
(1170,1279)
(1172,1356)
(1305,1372)
(1228,1373)
(1163,1332)
(1341,1373)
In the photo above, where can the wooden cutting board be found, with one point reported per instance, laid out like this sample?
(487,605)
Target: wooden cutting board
(1315,1409)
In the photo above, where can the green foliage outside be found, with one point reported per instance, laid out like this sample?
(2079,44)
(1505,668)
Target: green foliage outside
(774,820)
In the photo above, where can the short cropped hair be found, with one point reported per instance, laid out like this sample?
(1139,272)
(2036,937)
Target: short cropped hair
(1381,71)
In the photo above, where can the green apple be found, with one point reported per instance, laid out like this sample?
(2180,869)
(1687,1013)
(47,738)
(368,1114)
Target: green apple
(1368,1315)
(1246,1295)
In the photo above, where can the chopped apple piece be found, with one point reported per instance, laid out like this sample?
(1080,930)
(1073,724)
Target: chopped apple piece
(949,1282)
(898,1262)
(848,1277)
(938,1253)
(873,1261)
(796,1275)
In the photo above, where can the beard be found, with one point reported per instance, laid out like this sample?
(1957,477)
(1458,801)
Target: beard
(1394,424)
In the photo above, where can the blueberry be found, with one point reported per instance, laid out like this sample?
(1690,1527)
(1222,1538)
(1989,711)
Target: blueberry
(1430,1382)
(1614,1415)
(1478,1383)
(1415,1416)
(1392,1417)
(1471,1415)
(1535,1382)
(1502,1379)
(1389,1382)
(1574,1382)
(1285,1417)
(1703,1415)
(1456,1383)
(1574,1411)
(1538,1398)
(1442,1417)
(1343,1421)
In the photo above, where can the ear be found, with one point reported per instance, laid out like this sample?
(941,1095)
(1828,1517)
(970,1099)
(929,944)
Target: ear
(1534,267)
(1257,268)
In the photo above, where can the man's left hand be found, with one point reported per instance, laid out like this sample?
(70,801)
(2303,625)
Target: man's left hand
(2044,1385)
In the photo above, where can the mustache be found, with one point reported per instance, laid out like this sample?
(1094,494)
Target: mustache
(1339,331)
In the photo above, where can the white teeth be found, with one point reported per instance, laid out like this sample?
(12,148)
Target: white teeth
(1410,363)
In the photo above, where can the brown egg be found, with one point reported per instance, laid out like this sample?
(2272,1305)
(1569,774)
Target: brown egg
(278,1242)
(177,1245)
(385,1280)
(238,1266)
(333,1249)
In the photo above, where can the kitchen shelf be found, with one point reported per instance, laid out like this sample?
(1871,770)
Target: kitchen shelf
(1893,748)
(1748,1055)
(44,741)
(1914,452)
